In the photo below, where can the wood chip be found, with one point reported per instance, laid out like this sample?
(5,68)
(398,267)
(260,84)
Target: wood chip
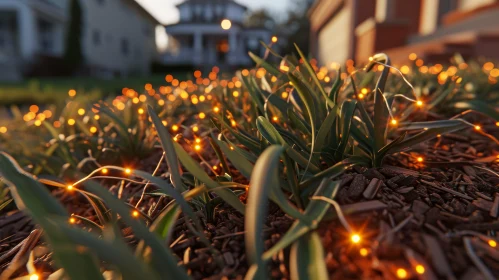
(438,257)
(447,190)
(494,210)
(363,207)
(372,188)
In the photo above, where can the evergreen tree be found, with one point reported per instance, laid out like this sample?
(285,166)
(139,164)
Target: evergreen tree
(73,52)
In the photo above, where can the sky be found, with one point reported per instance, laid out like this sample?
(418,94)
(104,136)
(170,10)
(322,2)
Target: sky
(166,13)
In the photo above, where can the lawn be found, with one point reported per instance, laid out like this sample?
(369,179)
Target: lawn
(287,171)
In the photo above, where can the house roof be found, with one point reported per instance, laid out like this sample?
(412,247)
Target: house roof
(143,11)
(212,2)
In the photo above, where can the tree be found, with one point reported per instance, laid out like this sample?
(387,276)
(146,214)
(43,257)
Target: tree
(73,55)
(260,19)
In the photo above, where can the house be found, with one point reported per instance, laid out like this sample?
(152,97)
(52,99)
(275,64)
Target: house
(211,32)
(433,30)
(118,36)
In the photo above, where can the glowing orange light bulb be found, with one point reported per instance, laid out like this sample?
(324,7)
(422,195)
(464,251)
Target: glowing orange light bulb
(419,103)
(128,171)
(363,252)
(140,111)
(401,273)
(477,127)
(492,243)
(135,213)
(104,171)
(394,122)
(174,127)
(355,238)
(361,96)
(420,269)
(72,220)
(34,276)
(70,187)
(420,159)
(197,147)
(216,109)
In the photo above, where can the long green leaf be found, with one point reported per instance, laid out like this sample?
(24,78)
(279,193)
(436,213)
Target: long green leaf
(307,258)
(316,210)
(167,144)
(41,206)
(263,176)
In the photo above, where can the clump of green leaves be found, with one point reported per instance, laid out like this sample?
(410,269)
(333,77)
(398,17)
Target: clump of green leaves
(290,149)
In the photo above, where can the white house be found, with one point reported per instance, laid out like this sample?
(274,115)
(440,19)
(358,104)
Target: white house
(202,40)
(118,36)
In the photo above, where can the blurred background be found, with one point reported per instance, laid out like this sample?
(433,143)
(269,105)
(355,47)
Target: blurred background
(47,46)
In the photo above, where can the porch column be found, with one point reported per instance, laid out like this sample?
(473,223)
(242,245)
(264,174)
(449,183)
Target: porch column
(385,10)
(198,48)
(28,39)
(233,48)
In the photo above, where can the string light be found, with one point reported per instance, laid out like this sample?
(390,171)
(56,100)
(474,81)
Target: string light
(72,220)
(104,171)
(497,123)
(274,39)
(420,269)
(233,123)
(140,111)
(477,127)
(198,140)
(420,159)
(361,96)
(216,109)
(215,167)
(69,187)
(195,129)
(93,129)
(174,127)
(34,276)
(128,171)
(394,122)
(81,111)
(197,147)
(72,92)
(419,103)
(135,213)
(355,238)
(71,121)
(275,118)
(401,273)
(492,243)
(363,252)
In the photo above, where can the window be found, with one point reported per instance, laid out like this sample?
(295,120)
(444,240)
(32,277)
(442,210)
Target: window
(125,48)
(96,38)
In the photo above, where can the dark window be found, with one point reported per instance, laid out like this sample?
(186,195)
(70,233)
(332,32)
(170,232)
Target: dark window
(125,48)
(96,38)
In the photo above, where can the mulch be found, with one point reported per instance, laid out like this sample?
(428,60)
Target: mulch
(436,213)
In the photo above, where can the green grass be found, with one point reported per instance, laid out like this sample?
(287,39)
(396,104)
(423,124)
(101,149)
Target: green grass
(290,147)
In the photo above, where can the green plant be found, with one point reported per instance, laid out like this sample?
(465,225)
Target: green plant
(265,145)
